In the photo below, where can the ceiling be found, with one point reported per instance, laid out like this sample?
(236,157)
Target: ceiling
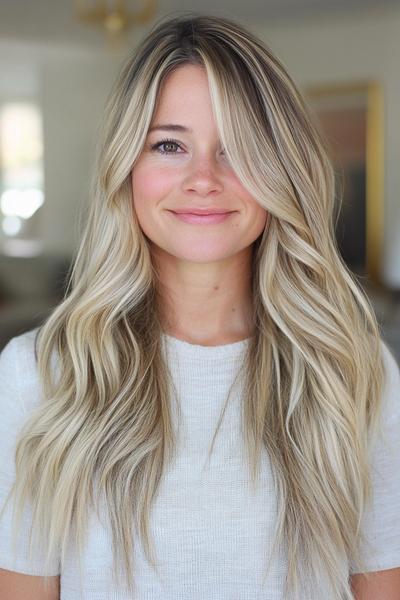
(53,21)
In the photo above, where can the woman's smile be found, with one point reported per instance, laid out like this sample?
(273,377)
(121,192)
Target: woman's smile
(204,219)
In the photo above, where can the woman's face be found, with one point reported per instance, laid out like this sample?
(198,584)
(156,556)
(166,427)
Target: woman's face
(183,168)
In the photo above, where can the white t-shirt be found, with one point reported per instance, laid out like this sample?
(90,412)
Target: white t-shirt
(211,532)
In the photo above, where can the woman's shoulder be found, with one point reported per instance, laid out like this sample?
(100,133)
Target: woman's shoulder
(19,353)
(19,381)
(380,523)
(391,389)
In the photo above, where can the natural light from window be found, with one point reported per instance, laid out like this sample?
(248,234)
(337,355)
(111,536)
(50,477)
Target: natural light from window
(21,175)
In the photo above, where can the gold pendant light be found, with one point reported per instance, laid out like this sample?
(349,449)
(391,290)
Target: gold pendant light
(114,16)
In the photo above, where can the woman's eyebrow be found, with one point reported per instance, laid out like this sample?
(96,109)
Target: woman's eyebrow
(170,127)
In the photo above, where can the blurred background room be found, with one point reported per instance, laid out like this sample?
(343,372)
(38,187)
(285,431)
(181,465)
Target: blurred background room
(58,61)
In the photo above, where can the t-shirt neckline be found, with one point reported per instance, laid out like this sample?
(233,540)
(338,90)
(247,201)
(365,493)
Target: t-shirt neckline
(190,350)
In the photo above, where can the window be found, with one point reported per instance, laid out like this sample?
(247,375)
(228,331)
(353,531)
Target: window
(21,178)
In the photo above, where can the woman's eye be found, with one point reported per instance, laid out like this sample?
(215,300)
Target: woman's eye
(168,145)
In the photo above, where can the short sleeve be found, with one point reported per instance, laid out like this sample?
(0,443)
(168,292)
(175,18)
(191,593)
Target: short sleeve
(19,391)
(381,522)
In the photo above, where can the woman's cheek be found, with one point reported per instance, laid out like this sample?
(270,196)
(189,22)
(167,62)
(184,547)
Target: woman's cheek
(152,185)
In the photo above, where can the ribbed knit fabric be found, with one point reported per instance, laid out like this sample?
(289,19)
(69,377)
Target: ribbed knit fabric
(212,534)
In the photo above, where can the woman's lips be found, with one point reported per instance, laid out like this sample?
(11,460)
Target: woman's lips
(202,219)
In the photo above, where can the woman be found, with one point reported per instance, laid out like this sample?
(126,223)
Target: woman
(214,370)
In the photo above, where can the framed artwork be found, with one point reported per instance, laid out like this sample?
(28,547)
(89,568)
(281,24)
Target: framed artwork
(351,117)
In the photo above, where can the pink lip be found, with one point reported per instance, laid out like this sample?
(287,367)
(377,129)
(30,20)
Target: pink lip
(202,219)
(202,211)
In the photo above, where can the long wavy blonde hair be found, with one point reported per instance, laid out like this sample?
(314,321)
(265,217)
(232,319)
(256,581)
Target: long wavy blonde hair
(313,371)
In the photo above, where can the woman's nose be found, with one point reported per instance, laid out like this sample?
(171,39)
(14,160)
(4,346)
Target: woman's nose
(203,176)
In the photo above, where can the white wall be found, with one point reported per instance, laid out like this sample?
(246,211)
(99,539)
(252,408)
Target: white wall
(73,94)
